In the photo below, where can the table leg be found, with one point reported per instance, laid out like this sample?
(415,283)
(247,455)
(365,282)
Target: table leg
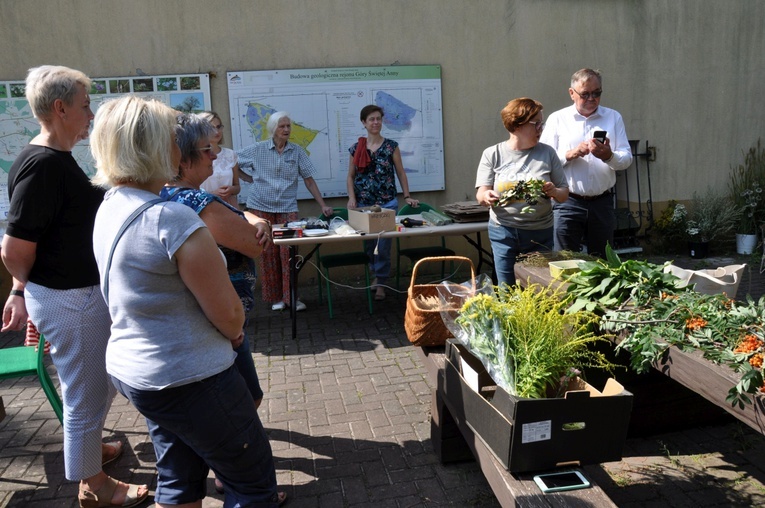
(483,255)
(293,289)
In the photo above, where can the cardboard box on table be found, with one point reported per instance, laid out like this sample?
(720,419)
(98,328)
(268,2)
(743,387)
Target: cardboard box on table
(585,427)
(364,219)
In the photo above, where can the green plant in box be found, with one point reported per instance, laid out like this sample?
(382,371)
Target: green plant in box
(726,332)
(528,340)
(610,283)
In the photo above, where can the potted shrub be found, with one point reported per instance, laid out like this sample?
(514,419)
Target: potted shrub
(669,228)
(746,190)
(709,217)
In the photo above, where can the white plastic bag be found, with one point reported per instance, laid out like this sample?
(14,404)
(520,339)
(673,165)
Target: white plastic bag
(340,226)
(453,297)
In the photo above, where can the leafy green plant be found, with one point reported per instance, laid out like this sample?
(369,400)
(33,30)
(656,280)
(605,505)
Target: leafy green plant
(611,283)
(523,190)
(670,225)
(711,216)
(726,332)
(746,187)
(527,339)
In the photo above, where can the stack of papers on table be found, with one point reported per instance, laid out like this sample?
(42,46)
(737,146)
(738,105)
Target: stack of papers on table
(466,211)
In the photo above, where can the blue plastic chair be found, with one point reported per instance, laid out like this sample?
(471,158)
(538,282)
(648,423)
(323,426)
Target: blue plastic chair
(342,259)
(25,361)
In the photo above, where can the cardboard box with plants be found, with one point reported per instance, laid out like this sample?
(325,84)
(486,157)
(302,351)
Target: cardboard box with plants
(513,374)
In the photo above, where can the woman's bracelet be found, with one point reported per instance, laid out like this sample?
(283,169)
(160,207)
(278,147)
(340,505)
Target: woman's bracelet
(407,196)
(17,292)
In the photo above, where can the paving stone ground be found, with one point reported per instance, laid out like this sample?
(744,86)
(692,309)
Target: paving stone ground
(347,408)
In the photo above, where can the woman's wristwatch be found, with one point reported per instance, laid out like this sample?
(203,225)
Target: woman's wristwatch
(17,292)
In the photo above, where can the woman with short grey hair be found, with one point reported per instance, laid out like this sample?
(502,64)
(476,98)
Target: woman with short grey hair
(48,249)
(275,166)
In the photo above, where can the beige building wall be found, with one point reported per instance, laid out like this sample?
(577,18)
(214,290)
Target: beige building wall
(689,76)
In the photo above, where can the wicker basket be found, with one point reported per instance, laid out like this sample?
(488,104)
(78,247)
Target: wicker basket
(423,324)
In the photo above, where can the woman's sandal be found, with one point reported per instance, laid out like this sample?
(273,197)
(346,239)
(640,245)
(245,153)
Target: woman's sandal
(115,452)
(102,498)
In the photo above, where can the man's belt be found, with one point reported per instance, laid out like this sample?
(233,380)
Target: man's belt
(589,198)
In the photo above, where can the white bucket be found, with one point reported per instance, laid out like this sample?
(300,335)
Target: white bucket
(745,244)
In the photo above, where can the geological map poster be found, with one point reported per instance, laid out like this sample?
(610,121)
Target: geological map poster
(324,106)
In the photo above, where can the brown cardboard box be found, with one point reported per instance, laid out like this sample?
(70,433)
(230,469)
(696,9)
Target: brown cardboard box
(364,219)
(587,426)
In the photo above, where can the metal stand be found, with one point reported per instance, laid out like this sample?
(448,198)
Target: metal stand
(633,223)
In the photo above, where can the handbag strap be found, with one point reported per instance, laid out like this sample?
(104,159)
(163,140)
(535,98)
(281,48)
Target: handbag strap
(133,216)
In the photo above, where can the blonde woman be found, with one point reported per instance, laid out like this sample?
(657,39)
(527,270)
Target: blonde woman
(224,182)
(176,318)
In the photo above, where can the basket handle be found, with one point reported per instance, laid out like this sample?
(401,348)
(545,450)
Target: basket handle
(441,259)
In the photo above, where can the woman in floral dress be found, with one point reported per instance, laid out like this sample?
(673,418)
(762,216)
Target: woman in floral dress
(375,163)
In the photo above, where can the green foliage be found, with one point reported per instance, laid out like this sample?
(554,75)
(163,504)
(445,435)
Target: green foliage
(746,186)
(708,217)
(524,190)
(642,306)
(712,324)
(611,283)
(668,225)
(528,339)
(711,216)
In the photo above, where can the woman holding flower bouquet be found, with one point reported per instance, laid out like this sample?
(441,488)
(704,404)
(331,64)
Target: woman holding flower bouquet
(516,179)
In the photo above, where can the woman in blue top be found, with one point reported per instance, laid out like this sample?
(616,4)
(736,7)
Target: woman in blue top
(241,236)
(375,163)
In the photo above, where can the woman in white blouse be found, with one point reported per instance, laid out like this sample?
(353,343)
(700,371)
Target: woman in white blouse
(224,182)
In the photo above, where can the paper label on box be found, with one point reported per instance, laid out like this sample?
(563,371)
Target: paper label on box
(536,431)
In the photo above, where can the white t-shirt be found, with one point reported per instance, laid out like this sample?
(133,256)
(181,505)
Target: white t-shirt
(223,173)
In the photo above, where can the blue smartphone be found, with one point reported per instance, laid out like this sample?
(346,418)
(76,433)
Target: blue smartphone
(558,482)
